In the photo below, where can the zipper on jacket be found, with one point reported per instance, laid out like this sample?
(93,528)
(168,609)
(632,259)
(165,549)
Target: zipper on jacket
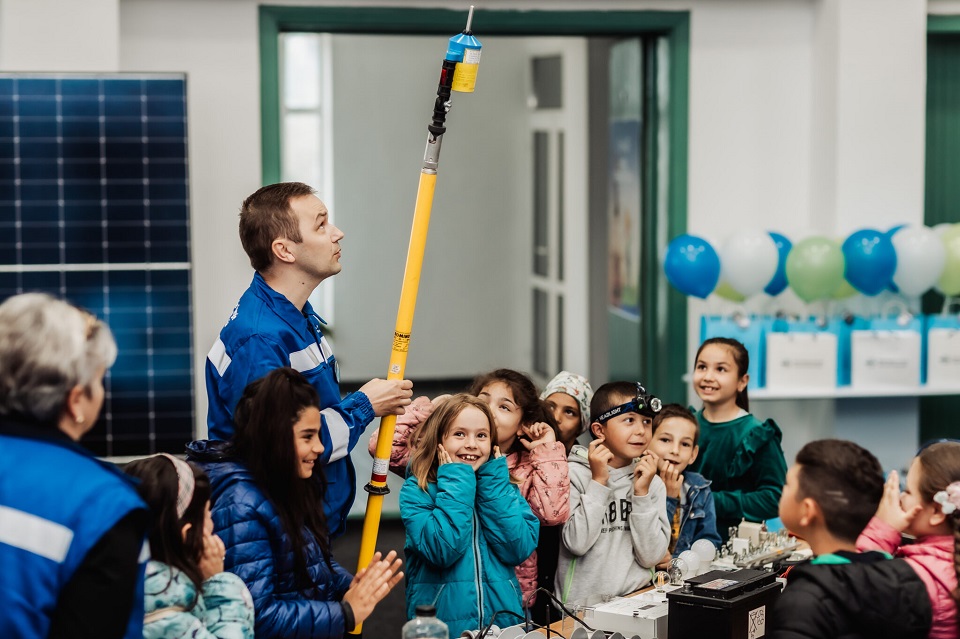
(478,568)
(694,492)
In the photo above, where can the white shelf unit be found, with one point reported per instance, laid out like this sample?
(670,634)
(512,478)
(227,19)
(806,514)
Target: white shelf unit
(851,391)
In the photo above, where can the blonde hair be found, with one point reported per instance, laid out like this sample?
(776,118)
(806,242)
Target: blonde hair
(425,461)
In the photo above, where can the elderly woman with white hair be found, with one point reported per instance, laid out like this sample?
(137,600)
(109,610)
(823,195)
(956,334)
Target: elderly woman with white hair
(71,527)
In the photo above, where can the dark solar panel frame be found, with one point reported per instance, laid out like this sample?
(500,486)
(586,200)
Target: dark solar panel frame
(94,209)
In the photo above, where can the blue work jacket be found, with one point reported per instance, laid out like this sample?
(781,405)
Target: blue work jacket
(264,332)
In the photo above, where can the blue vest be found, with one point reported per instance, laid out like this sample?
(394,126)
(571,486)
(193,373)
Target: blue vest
(56,502)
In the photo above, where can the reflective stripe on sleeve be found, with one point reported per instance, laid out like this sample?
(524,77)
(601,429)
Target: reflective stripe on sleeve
(339,433)
(34,534)
(219,358)
(306,359)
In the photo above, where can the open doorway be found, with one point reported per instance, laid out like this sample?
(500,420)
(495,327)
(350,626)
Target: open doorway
(517,271)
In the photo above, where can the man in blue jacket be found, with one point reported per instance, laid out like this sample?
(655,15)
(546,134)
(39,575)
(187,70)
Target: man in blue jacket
(286,232)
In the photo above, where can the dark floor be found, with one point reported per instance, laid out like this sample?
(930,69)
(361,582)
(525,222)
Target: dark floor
(391,613)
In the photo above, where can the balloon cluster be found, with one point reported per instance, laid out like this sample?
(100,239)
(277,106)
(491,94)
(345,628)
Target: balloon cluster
(905,259)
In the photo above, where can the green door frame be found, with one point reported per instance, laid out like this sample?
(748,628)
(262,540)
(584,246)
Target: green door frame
(662,327)
(938,414)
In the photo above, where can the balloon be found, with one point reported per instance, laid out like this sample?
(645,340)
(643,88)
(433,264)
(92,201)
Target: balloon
(890,233)
(727,292)
(870,261)
(748,261)
(692,266)
(920,259)
(893,230)
(942,228)
(844,291)
(949,282)
(779,281)
(815,268)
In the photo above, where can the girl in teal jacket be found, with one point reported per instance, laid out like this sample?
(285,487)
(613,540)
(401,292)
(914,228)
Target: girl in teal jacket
(467,525)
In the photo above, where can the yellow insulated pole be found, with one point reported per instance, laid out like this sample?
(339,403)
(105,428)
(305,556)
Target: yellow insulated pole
(458,73)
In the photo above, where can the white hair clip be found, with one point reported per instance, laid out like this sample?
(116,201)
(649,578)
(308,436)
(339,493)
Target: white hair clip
(949,499)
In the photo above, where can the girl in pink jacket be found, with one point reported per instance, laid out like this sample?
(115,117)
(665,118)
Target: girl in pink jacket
(526,433)
(929,510)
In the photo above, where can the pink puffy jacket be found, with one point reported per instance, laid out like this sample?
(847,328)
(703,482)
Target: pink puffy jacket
(932,559)
(542,475)
(545,484)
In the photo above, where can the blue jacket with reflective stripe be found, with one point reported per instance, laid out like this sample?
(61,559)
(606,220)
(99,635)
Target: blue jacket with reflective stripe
(56,502)
(264,332)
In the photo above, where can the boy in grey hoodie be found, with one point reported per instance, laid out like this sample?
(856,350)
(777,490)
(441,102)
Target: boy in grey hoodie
(618,528)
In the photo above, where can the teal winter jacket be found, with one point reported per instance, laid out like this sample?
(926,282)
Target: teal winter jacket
(465,535)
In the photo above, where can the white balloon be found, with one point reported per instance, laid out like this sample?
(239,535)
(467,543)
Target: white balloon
(705,550)
(920,259)
(748,261)
(940,228)
(693,561)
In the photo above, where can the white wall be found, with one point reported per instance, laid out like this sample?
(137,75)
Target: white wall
(479,229)
(54,35)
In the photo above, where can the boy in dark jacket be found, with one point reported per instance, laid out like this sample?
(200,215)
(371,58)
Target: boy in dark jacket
(831,493)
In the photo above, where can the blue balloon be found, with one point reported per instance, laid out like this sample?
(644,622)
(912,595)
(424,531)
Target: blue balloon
(893,230)
(871,261)
(692,266)
(779,281)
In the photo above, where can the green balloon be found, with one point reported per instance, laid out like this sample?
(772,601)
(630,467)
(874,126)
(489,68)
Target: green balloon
(727,292)
(844,291)
(815,268)
(949,283)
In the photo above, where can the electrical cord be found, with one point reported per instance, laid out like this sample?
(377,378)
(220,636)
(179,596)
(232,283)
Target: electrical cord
(486,631)
(563,608)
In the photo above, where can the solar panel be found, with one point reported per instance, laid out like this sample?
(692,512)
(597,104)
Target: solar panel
(94,209)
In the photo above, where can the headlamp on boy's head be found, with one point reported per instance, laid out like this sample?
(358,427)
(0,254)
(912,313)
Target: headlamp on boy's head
(644,403)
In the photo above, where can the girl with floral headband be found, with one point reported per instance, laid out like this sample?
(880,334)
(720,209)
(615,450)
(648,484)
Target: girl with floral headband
(929,510)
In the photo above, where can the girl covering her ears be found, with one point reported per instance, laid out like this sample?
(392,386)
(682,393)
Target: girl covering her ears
(929,509)
(187,593)
(266,487)
(466,523)
(527,435)
(741,455)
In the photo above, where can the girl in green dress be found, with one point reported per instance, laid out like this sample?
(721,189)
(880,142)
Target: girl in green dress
(739,453)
